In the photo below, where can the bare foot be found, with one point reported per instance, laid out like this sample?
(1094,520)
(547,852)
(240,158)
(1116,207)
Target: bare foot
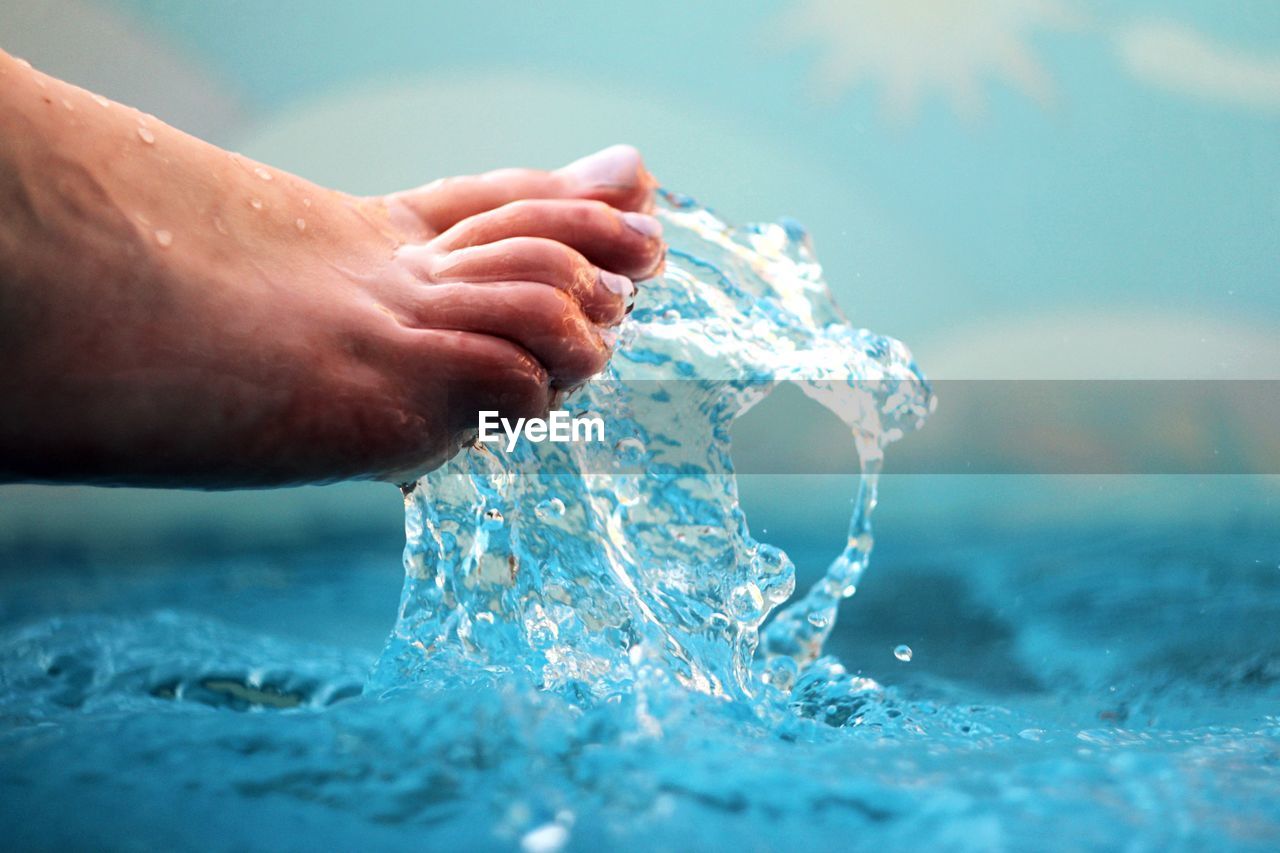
(172,314)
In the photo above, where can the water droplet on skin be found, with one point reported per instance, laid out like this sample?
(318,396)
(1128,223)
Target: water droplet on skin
(493,519)
(22,62)
(219,225)
(301,224)
(255,203)
(164,238)
(70,106)
(553,508)
(262,173)
(146,136)
(101,101)
(306,202)
(902,653)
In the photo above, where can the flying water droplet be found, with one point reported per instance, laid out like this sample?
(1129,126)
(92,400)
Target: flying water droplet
(164,237)
(146,136)
(903,653)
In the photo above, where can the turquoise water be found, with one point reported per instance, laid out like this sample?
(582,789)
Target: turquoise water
(584,653)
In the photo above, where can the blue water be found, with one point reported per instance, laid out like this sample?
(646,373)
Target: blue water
(603,671)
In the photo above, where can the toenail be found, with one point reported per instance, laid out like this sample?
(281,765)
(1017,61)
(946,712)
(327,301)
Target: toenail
(618,284)
(612,167)
(644,224)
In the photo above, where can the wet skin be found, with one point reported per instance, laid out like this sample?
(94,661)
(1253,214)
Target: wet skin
(174,314)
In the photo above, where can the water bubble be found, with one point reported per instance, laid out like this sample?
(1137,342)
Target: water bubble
(902,653)
(164,237)
(101,101)
(771,561)
(746,601)
(1032,734)
(493,518)
(146,136)
(300,224)
(781,672)
(631,452)
(820,620)
(255,203)
(671,315)
(718,621)
(262,173)
(551,508)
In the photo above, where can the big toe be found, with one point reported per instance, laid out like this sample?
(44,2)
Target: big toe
(616,175)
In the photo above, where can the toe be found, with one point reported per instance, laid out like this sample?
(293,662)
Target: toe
(603,296)
(615,176)
(543,321)
(480,373)
(624,242)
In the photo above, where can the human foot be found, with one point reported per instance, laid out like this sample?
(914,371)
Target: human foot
(171,314)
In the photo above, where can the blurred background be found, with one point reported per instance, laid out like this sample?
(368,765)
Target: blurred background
(1018,189)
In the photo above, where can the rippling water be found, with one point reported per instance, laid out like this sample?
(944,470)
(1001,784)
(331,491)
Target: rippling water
(592,648)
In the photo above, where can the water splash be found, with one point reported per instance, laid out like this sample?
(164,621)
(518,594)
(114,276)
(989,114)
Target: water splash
(645,577)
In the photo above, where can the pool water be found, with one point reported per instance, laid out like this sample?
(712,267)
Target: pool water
(1117,689)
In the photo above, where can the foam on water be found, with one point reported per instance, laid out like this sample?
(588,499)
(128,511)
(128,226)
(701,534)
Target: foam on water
(647,577)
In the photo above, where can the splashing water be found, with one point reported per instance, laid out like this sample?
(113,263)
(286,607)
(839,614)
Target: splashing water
(646,576)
